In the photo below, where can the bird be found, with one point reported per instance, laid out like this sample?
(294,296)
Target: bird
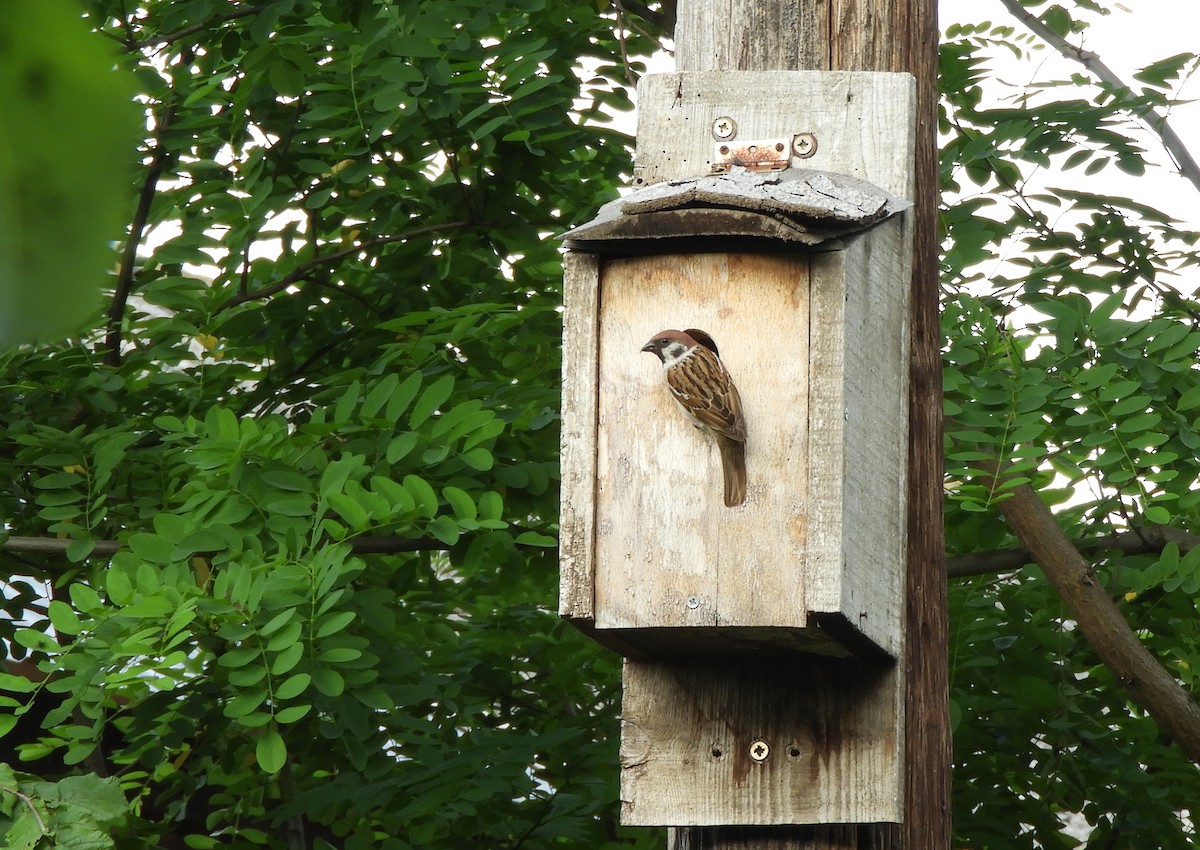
(701,386)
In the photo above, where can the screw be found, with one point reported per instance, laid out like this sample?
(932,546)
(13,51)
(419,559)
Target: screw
(804,145)
(693,602)
(759,750)
(724,128)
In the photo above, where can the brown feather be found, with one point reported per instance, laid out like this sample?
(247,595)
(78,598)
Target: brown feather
(699,383)
(733,466)
(704,388)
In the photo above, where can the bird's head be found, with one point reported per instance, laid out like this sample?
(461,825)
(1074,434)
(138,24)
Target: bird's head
(670,346)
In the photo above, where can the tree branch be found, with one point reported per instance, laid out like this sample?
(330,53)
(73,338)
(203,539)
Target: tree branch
(1143,541)
(378,545)
(304,269)
(1154,119)
(163,40)
(1151,686)
(141,217)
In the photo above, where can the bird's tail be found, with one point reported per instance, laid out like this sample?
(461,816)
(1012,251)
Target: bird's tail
(733,463)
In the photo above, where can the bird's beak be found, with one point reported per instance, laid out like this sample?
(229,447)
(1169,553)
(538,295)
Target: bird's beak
(649,346)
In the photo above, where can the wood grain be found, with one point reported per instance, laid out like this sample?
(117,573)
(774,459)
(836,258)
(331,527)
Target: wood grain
(687,730)
(862,121)
(859,428)
(669,552)
(577,516)
(897,35)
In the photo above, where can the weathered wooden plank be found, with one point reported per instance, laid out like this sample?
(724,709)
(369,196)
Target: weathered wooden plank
(860,429)
(751,34)
(669,552)
(862,121)
(577,566)
(831,729)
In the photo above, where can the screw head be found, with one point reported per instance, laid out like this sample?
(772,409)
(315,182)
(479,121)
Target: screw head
(759,750)
(804,145)
(724,128)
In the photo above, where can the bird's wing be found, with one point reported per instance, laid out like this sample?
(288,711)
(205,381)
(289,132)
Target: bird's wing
(701,384)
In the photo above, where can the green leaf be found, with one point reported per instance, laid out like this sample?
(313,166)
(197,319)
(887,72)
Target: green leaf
(460,502)
(379,395)
(36,640)
(491,505)
(286,479)
(433,397)
(1158,515)
(285,637)
(328,681)
(287,659)
(346,404)
(400,446)
(63,618)
(292,713)
(422,494)
(293,686)
(239,656)
(348,509)
(244,703)
(402,397)
(479,458)
(444,529)
(532,538)
(118,586)
(271,751)
(333,623)
(16,684)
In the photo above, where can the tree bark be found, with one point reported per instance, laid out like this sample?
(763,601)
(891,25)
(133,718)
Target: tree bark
(1106,630)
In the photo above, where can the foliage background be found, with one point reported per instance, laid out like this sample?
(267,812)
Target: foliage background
(317,409)
(319,413)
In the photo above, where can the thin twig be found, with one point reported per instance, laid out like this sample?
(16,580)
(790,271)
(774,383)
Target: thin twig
(1155,120)
(620,28)
(141,218)
(364,545)
(169,38)
(28,801)
(303,270)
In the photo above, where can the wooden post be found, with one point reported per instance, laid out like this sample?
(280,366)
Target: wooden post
(786,686)
(868,35)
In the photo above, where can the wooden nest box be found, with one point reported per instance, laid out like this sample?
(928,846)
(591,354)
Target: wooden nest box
(770,216)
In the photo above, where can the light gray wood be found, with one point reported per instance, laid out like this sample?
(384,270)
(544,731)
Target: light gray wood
(577,566)
(823,526)
(818,345)
(830,727)
(669,553)
(797,205)
(859,432)
(863,121)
